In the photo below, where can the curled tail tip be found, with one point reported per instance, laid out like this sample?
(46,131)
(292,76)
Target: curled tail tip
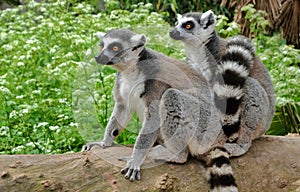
(236,62)
(219,172)
(244,42)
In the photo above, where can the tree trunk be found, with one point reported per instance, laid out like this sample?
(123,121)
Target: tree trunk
(272,164)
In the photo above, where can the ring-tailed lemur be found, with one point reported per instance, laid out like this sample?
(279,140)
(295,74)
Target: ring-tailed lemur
(174,102)
(239,78)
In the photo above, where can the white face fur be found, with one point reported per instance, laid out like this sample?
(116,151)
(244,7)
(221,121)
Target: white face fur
(194,27)
(119,48)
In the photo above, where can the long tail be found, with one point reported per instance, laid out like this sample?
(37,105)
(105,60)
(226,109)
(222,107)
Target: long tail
(232,73)
(219,172)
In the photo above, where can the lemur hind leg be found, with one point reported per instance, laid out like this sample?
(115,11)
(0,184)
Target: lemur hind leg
(255,118)
(185,127)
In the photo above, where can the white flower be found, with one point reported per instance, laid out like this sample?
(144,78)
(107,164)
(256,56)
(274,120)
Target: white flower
(54,49)
(60,116)
(30,144)
(29,81)
(73,124)
(38,92)
(20,97)
(10,103)
(18,149)
(33,49)
(3,76)
(42,124)
(12,114)
(80,6)
(63,64)
(24,111)
(69,54)
(4,130)
(19,87)
(15,42)
(7,47)
(40,17)
(64,100)
(30,41)
(19,64)
(53,128)
(50,25)
(79,41)
(28,56)
(4,90)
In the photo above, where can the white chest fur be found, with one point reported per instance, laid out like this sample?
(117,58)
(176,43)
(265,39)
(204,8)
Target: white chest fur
(131,88)
(198,59)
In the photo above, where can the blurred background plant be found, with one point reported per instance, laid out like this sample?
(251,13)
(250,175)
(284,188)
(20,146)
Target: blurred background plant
(54,97)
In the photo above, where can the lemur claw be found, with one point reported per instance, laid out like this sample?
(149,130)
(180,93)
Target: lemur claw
(90,145)
(131,171)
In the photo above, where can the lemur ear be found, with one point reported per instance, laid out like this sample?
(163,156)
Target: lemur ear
(138,40)
(208,18)
(179,17)
(100,35)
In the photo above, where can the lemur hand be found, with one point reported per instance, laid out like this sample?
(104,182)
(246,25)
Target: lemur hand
(90,145)
(132,169)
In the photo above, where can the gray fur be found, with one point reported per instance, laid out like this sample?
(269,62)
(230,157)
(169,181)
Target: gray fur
(258,102)
(174,102)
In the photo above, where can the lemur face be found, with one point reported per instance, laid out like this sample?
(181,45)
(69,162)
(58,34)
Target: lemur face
(194,27)
(119,47)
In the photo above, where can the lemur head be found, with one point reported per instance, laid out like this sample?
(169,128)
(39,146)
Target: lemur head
(194,27)
(120,48)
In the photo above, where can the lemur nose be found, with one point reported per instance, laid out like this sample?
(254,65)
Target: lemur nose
(103,59)
(175,34)
(172,31)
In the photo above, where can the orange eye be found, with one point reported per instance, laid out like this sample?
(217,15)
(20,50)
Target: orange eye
(188,26)
(115,48)
(101,47)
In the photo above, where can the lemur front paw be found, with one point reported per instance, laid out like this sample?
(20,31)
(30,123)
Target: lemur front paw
(90,145)
(132,170)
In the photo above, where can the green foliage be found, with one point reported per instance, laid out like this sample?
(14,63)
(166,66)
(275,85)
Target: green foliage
(54,97)
(51,90)
(38,50)
(226,29)
(257,21)
(172,7)
(282,61)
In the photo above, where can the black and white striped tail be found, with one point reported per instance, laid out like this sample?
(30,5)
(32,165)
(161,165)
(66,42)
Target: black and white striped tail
(219,172)
(232,74)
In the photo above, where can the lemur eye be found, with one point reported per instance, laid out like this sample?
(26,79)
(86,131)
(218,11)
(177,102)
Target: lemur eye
(101,47)
(188,26)
(115,48)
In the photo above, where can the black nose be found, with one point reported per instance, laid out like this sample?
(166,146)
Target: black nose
(172,31)
(175,34)
(102,59)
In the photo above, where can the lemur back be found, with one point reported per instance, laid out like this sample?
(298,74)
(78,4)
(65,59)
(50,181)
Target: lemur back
(174,102)
(237,66)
